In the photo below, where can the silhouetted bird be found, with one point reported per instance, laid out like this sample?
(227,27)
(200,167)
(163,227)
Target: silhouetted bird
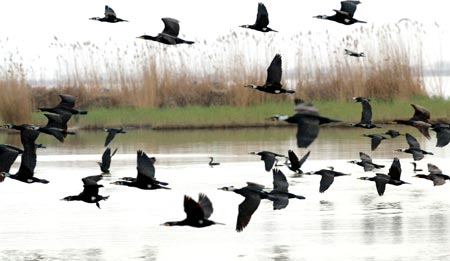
(211,163)
(344,15)
(90,191)
(146,175)
(392,133)
(307,119)
(435,175)
(280,192)
(110,16)
(414,148)
(106,160)
(393,177)
(296,164)
(253,194)
(415,167)
(366,162)
(375,140)
(112,133)
(442,134)
(273,81)
(262,20)
(66,105)
(56,126)
(327,178)
(420,120)
(197,213)
(268,157)
(169,35)
(8,154)
(354,54)
(433,169)
(366,114)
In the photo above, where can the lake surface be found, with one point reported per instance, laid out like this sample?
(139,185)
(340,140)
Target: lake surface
(347,222)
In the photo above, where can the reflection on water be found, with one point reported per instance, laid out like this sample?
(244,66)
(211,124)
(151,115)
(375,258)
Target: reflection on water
(347,222)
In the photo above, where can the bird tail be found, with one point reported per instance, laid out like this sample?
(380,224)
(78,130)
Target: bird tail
(299,197)
(290,91)
(83,112)
(188,42)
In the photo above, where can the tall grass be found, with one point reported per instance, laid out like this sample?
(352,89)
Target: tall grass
(150,75)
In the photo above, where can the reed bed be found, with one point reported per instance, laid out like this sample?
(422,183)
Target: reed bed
(212,73)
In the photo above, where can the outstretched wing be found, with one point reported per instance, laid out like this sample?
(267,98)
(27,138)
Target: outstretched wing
(349,7)
(433,169)
(206,205)
(109,12)
(69,100)
(171,26)
(110,136)
(262,18)
(193,209)
(364,157)
(7,156)
(412,142)
(395,170)
(274,72)
(303,159)
(295,164)
(246,210)
(366,114)
(420,113)
(145,167)
(279,181)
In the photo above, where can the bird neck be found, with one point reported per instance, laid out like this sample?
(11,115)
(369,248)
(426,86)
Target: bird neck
(175,223)
(72,198)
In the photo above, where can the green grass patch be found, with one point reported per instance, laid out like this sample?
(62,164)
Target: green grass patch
(257,115)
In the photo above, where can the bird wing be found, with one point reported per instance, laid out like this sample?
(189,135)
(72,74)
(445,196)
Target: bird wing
(305,108)
(366,114)
(349,52)
(349,7)
(433,169)
(145,167)
(417,154)
(307,130)
(7,156)
(110,136)
(380,181)
(91,180)
(420,113)
(325,182)
(206,205)
(438,179)
(443,137)
(262,17)
(274,72)
(280,200)
(269,160)
(255,186)
(171,26)
(246,210)
(375,141)
(109,12)
(69,100)
(395,170)
(106,158)
(28,138)
(295,164)
(193,209)
(422,127)
(412,142)
(368,166)
(303,159)
(364,157)
(279,181)
(54,121)
(27,164)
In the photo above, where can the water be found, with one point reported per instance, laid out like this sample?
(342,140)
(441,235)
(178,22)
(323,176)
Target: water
(348,222)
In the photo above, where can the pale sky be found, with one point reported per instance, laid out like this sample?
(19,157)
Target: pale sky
(30,26)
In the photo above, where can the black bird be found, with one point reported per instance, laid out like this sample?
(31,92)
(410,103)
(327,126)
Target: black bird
(211,163)
(415,167)
(344,15)
(112,133)
(268,157)
(90,191)
(146,175)
(106,160)
(262,20)
(366,114)
(296,164)
(393,177)
(327,178)
(66,105)
(253,194)
(435,175)
(110,16)
(273,81)
(307,119)
(280,192)
(57,126)
(420,120)
(442,134)
(366,162)
(414,148)
(8,154)
(375,140)
(197,213)
(169,35)
(392,133)
(354,54)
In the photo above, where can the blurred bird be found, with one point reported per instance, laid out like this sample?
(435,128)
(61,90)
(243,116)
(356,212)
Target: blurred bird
(344,15)
(197,213)
(420,120)
(169,35)
(110,16)
(66,105)
(273,81)
(112,133)
(268,157)
(354,54)
(296,164)
(375,140)
(8,154)
(262,20)
(415,167)
(90,191)
(211,163)
(414,148)
(327,178)
(280,192)
(442,134)
(366,114)
(393,133)
(366,162)
(106,160)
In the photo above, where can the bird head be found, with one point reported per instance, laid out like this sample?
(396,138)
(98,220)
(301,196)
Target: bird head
(400,150)
(69,198)
(320,16)
(8,126)
(244,26)
(420,176)
(229,188)
(352,161)
(362,54)
(253,86)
